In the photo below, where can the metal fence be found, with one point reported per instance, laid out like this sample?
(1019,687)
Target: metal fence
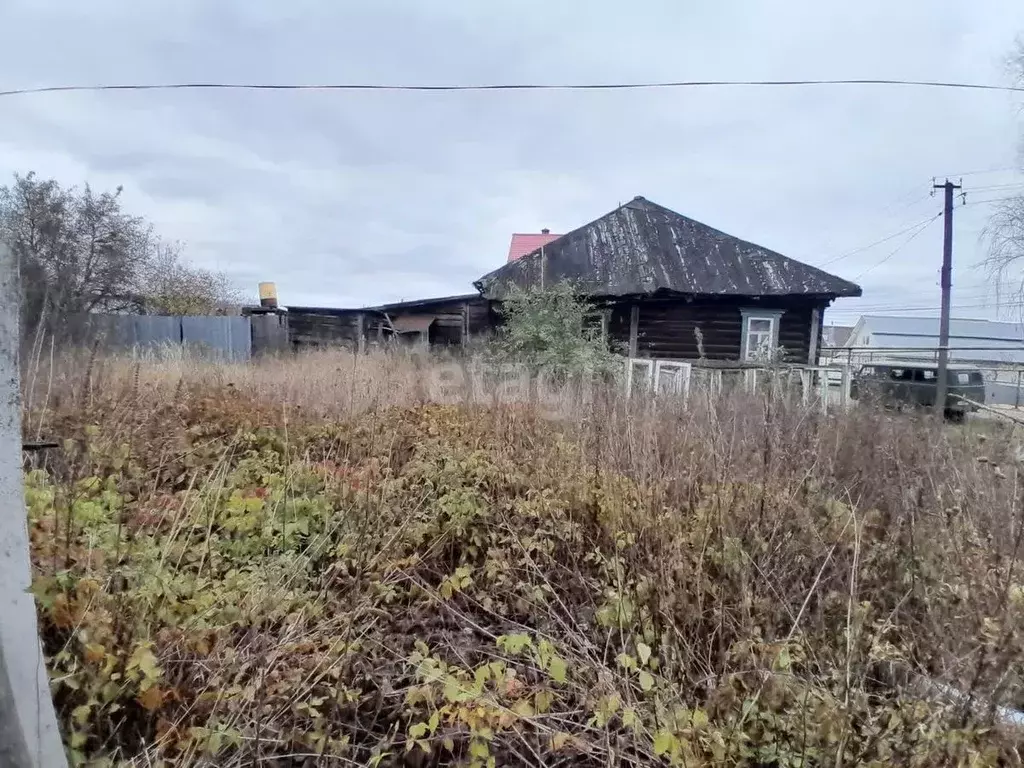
(227,338)
(1004,378)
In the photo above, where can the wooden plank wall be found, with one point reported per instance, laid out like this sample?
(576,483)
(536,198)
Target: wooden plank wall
(452,319)
(310,329)
(666,328)
(795,332)
(478,318)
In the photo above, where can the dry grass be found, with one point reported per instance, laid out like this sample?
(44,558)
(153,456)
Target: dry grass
(313,561)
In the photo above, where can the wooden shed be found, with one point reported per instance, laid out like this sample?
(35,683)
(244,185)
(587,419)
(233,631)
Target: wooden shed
(447,321)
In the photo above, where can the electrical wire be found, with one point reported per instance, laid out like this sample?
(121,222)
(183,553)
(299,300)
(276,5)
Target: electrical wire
(509,86)
(994,187)
(978,173)
(900,247)
(933,310)
(994,200)
(971,301)
(933,307)
(887,212)
(885,239)
(919,301)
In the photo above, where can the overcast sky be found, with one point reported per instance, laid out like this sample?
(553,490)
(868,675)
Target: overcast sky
(348,199)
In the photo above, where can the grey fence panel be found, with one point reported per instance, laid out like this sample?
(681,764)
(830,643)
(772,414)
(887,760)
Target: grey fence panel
(220,337)
(149,331)
(228,338)
(123,332)
(1000,393)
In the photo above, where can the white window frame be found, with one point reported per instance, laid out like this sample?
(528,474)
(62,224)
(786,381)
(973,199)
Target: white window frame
(648,380)
(679,383)
(771,315)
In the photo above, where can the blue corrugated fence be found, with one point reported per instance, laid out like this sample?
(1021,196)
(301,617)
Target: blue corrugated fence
(220,337)
(229,338)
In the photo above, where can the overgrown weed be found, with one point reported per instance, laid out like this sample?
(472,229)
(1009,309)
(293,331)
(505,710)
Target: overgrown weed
(303,562)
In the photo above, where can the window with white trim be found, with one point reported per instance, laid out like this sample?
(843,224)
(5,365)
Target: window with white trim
(760,336)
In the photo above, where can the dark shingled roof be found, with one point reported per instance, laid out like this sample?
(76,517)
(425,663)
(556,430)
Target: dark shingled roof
(643,248)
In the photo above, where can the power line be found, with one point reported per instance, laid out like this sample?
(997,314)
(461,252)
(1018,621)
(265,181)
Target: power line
(917,301)
(977,173)
(508,86)
(994,200)
(885,239)
(994,187)
(967,292)
(886,212)
(899,310)
(921,228)
(911,204)
(933,307)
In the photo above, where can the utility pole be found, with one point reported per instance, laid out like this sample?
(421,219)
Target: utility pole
(946,283)
(28,727)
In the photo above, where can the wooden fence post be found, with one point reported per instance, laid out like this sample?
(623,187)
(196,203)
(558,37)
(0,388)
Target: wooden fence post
(634,330)
(361,333)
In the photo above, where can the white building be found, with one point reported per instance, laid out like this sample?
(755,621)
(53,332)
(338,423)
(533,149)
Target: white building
(997,348)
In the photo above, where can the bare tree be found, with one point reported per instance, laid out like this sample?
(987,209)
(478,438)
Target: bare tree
(77,250)
(1004,232)
(169,285)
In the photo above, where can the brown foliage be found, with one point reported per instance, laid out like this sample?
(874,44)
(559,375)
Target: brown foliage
(741,581)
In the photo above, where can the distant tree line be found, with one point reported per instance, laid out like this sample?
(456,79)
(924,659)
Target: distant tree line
(80,251)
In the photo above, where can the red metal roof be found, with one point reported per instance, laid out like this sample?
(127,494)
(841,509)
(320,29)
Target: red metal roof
(528,243)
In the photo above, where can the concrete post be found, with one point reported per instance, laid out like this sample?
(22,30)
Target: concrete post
(844,397)
(29,737)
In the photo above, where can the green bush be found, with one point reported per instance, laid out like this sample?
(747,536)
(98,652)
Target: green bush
(552,329)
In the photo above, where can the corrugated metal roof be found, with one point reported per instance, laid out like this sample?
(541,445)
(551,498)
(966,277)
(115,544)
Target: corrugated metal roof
(835,335)
(994,341)
(421,303)
(643,248)
(393,306)
(523,244)
(963,328)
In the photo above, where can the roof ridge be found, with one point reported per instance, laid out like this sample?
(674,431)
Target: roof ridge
(640,229)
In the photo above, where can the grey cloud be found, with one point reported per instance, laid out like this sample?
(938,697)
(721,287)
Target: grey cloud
(357,198)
